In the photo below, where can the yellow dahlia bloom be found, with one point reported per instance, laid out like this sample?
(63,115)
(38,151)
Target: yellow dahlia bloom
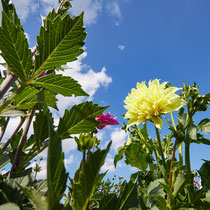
(149,103)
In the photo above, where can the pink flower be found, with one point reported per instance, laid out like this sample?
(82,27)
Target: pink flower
(106,119)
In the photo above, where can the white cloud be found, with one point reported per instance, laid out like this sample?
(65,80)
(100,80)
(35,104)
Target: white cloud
(118,138)
(48,5)
(121,47)
(109,164)
(68,144)
(90,81)
(114,9)
(25,8)
(68,161)
(91,8)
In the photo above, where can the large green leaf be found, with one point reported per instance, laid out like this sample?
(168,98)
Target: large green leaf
(13,43)
(60,41)
(87,177)
(80,118)
(36,197)
(60,84)
(56,173)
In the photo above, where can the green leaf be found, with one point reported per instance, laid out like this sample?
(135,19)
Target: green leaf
(87,177)
(63,85)
(36,197)
(80,119)
(9,206)
(135,157)
(13,43)
(59,42)
(119,156)
(56,173)
(204,125)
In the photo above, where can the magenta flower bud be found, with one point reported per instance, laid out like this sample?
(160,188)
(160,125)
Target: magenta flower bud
(106,119)
(43,73)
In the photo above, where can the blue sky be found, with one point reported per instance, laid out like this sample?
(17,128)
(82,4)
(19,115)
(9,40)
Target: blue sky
(130,41)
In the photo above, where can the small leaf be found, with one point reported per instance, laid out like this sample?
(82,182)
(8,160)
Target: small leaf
(63,85)
(80,119)
(119,156)
(204,125)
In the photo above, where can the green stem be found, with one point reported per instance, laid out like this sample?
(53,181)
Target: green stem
(188,166)
(187,156)
(160,147)
(180,146)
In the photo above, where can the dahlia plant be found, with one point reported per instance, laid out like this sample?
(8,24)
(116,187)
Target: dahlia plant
(163,180)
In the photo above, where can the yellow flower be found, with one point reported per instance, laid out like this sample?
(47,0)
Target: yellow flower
(149,103)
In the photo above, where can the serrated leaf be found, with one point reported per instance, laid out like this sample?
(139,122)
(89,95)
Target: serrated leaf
(80,118)
(204,125)
(63,85)
(14,45)
(36,197)
(87,177)
(56,173)
(59,42)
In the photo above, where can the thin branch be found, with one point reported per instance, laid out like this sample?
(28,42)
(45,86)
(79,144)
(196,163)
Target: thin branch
(16,130)
(7,83)
(4,128)
(21,143)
